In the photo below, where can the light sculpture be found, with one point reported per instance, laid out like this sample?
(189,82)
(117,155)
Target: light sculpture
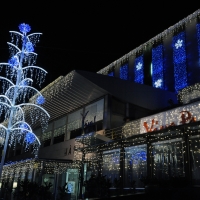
(17,89)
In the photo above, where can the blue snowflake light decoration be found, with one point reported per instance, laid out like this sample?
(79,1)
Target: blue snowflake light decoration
(24,28)
(13,62)
(23,126)
(139,66)
(179,44)
(30,138)
(139,70)
(157,67)
(40,100)
(29,47)
(123,72)
(179,59)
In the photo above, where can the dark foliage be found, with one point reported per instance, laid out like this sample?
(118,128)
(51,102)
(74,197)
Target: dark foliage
(64,192)
(97,186)
(27,190)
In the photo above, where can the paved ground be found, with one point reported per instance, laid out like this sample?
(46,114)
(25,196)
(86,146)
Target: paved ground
(174,194)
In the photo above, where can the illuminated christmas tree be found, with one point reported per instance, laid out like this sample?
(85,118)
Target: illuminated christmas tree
(17,88)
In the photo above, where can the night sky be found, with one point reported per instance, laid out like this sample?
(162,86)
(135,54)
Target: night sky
(87,35)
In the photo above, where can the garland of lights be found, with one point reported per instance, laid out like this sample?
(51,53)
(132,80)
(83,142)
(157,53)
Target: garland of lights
(189,93)
(13,170)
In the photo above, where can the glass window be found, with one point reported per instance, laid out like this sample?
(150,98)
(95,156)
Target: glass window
(95,111)
(195,158)
(111,164)
(74,120)
(168,159)
(135,165)
(92,165)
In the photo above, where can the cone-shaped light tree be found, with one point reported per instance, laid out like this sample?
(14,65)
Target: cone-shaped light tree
(17,88)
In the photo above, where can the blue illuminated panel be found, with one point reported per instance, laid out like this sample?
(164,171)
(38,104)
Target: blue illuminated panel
(111,74)
(198,38)
(179,59)
(157,67)
(123,73)
(139,70)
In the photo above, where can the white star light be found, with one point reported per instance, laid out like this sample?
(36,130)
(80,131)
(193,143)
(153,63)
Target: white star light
(158,83)
(179,43)
(139,66)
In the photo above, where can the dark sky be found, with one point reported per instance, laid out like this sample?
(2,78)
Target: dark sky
(88,35)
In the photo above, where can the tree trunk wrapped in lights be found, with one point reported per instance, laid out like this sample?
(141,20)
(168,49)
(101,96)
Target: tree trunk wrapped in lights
(17,89)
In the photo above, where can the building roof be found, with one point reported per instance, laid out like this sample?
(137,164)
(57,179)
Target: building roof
(166,33)
(79,88)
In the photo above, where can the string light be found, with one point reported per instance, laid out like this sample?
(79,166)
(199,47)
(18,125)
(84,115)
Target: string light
(139,70)
(123,72)
(198,37)
(179,59)
(189,93)
(157,67)
(17,89)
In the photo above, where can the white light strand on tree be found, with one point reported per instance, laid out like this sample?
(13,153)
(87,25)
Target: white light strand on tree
(17,89)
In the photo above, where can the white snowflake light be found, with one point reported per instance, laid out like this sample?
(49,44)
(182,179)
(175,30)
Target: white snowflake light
(139,66)
(158,83)
(179,44)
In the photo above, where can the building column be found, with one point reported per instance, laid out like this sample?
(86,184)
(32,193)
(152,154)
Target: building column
(107,112)
(81,176)
(55,189)
(100,163)
(52,134)
(149,158)
(122,168)
(187,163)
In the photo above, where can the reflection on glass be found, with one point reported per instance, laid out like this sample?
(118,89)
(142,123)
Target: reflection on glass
(195,158)
(135,165)
(168,159)
(111,164)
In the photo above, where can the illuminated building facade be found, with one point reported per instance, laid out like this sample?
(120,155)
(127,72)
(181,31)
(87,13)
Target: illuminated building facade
(135,118)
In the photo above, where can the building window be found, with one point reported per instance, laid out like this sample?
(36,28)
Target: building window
(139,70)
(74,120)
(179,59)
(195,158)
(135,165)
(168,159)
(111,164)
(123,72)
(157,67)
(59,134)
(46,138)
